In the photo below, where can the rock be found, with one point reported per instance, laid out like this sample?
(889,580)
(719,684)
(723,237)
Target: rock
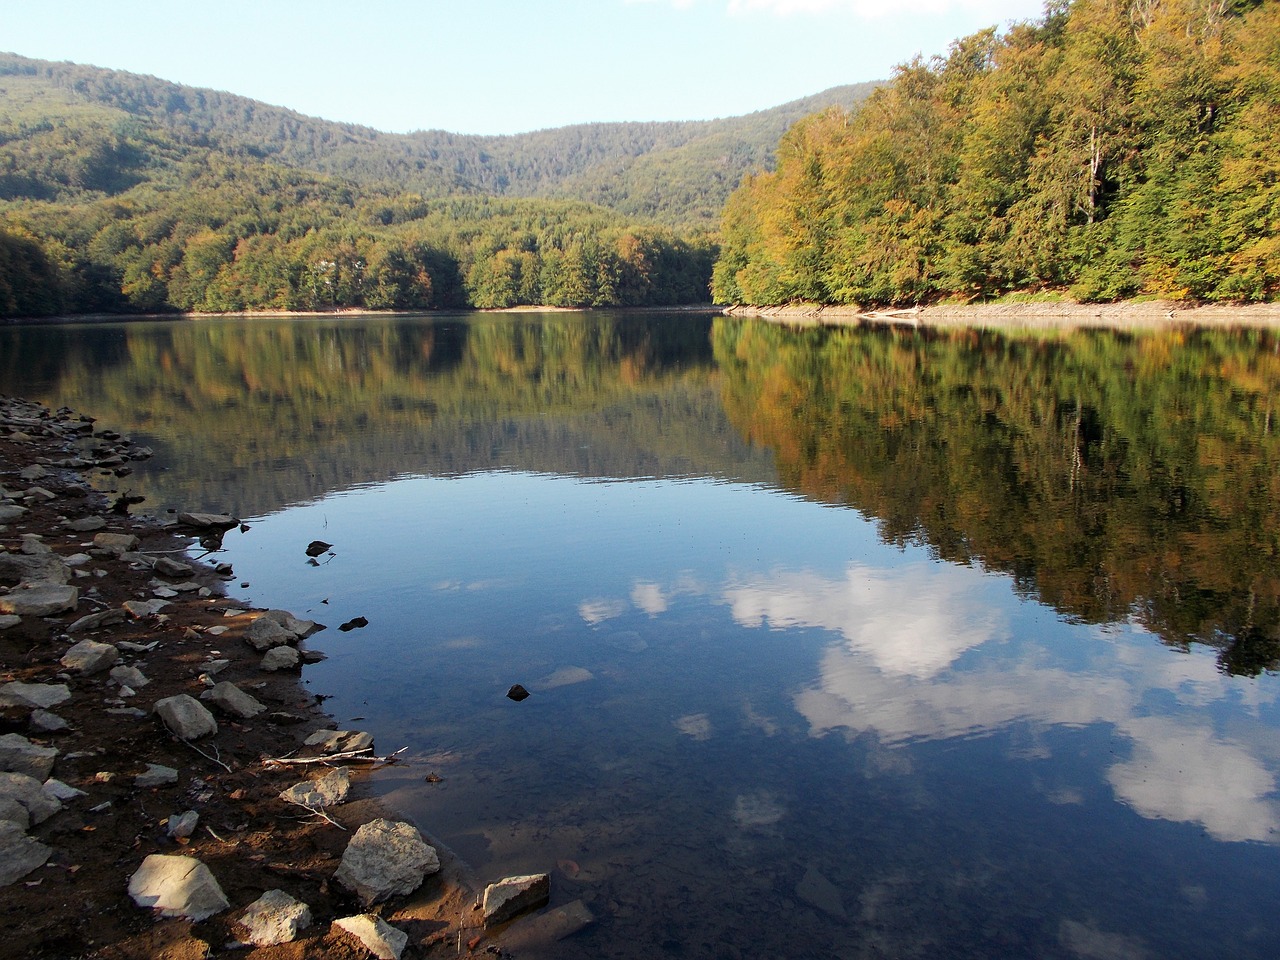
(41,599)
(354,623)
(266,633)
(95,621)
(340,741)
(89,657)
(34,472)
(46,722)
(280,658)
(45,567)
(317,547)
(329,791)
(85,524)
(20,755)
(29,793)
(156,775)
(208,521)
(129,677)
(19,854)
(33,546)
(17,694)
(10,512)
(386,859)
(9,620)
(275,917)
(230,698)
(301,628)
(173,569)
(141,609)
(116,543)
(555,924)
(14,812)
(177,887)
(514,895)
(182,824)
(186,717)
(381,939)
(818,891)
(61,791)
(517,693)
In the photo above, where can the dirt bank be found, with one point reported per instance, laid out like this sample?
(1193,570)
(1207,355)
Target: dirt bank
(77,903)
(1021,316)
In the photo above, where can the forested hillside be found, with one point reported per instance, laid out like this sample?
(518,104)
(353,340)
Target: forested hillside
(126,193)
(1113,149)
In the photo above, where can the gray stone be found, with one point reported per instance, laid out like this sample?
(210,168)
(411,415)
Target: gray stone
(18,694)
(817,890)
(34,472)
(96,621)
(227,696)
(386,859)
(46,567)
(61,791)
(85,524)
(301,628)
(46,722)
(117,543)
(281,658)
(40,599)
(141,609)
(514,895)
(275,917)
(9,620)
(168,567)
(33,546)
(380,938)
(177,887)
(14,812)
(265,633)
(89,657)
(20,755)
(29,792)
(10,512)
(217,521)
(186,717)
(183,824)
(328,791)
(19,854)
(129,677)
(156,775)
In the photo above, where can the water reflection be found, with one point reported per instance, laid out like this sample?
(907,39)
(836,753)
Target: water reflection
(843,643)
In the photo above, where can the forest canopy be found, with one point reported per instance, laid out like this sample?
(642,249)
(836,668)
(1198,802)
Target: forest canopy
(1112,149)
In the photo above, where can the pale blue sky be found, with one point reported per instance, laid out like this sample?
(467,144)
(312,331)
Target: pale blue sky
(503,66)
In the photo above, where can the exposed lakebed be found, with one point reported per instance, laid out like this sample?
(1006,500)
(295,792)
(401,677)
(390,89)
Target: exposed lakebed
(840,642)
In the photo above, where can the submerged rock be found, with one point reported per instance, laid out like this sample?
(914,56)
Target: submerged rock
(317,547)
(517,693)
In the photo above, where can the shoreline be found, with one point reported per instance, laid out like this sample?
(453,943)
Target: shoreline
(102,735)
(1128,315)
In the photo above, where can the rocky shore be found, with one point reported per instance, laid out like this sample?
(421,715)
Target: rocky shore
(167,786)
(1039,315)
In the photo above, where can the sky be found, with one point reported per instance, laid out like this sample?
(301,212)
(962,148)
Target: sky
(503,66)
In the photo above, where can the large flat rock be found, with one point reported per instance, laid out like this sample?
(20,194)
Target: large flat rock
(177,887)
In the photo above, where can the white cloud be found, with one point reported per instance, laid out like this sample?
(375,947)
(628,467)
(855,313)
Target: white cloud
(1187,774)
(601,609)
(649,598)
(914,620)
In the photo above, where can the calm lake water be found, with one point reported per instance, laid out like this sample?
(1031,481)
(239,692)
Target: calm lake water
(842,643)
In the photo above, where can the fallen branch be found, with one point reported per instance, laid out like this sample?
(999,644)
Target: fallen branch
(215,759)
(317,812)
(363,755)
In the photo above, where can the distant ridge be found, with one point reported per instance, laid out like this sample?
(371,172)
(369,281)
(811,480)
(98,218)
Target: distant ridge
(673,173)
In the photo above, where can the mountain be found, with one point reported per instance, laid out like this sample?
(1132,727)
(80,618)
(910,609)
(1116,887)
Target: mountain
(676,173)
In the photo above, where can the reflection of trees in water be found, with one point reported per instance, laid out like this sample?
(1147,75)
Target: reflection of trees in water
(278,412)
(1111,475)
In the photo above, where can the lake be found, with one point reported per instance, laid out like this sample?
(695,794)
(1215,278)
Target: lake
(853,643)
